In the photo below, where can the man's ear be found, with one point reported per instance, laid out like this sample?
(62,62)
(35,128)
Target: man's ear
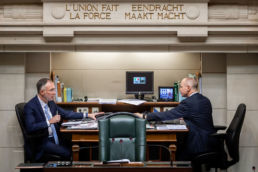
(188,88)
(41,92)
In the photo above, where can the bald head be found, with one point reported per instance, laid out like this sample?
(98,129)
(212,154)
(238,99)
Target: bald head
(188,86)
(191,82)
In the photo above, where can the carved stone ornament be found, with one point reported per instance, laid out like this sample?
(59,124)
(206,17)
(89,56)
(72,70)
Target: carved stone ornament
(58,12)
(192,12)
(233,12)
(23,11)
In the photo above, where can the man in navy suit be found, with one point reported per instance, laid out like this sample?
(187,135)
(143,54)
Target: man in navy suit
(196,111)
(42,114)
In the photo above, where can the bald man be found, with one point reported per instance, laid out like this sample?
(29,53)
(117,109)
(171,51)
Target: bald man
(196,111)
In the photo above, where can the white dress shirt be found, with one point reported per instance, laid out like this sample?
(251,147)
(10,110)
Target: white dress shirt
(43,104)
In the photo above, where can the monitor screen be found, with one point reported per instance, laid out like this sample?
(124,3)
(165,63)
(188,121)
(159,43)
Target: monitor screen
(139,82)
(166,93)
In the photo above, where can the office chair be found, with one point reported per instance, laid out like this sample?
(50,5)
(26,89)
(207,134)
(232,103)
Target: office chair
(30,140)
(122,135)
(219,158)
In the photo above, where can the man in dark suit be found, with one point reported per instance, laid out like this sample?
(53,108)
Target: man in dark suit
(196,111)
(43,115)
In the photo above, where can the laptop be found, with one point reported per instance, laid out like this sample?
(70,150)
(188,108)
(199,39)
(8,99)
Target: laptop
(166,93)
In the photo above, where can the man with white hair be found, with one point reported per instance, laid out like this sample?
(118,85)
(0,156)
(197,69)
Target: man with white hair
(196,111)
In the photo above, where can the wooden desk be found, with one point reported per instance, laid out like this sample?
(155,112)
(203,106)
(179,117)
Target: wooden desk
(80,166)
(30,167)
(98,167)
(152,136)
(91,136)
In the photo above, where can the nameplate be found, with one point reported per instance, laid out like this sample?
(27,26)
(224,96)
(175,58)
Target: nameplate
(127,13)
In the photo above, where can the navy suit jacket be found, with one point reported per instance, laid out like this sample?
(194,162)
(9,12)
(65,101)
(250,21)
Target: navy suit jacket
(35,120)
(197,113)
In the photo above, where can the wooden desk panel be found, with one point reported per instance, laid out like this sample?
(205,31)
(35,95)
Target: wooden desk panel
(91,136)
(97,167)
(152,136)
(80,166)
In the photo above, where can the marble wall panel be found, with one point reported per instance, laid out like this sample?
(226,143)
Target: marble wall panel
(11,63)
(239,63)
(242,88)
(10,158)
(136,61)
(37,62)
(214,86)
(11,90)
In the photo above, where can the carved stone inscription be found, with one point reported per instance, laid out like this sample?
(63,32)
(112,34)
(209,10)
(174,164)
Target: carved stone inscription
(124,13)
(90,11)
(156,11)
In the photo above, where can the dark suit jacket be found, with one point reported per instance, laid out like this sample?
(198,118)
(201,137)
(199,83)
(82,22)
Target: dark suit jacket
(35,120)
(197,113)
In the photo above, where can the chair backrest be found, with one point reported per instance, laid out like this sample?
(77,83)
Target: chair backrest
(19,109)
(122,135)
(233,133)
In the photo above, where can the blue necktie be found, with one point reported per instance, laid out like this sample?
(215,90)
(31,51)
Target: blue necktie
(52,126)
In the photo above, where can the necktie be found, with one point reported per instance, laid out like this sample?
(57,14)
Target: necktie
(51,125)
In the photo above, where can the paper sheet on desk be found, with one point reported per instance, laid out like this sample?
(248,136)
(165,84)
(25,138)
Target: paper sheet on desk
(171,127)
(119,161)
(132,101)
(149,126)
(88,125)
(107,101)
(71,123)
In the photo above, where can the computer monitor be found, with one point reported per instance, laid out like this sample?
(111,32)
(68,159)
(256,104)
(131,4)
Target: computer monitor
(139,83)
(166,93)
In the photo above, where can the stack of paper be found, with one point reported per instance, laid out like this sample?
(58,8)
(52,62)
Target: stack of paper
(88,125)
(132,101)
(71,123)
(107,101)
(93,100)
(171,127)
(119,161)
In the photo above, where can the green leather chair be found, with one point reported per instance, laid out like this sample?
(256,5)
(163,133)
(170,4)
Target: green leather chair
(122,135)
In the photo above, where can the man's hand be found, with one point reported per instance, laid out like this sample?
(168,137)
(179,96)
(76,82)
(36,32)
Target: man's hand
(93,115)
(55,119)
(140,115)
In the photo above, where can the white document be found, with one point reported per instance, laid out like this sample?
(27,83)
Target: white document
(148,126)
(132,101)
(119,161)
(176,127)
(87,125)
(93,100)
(71,123)
(171,127)
(107,101)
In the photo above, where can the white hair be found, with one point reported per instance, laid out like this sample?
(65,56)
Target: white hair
(191,82)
